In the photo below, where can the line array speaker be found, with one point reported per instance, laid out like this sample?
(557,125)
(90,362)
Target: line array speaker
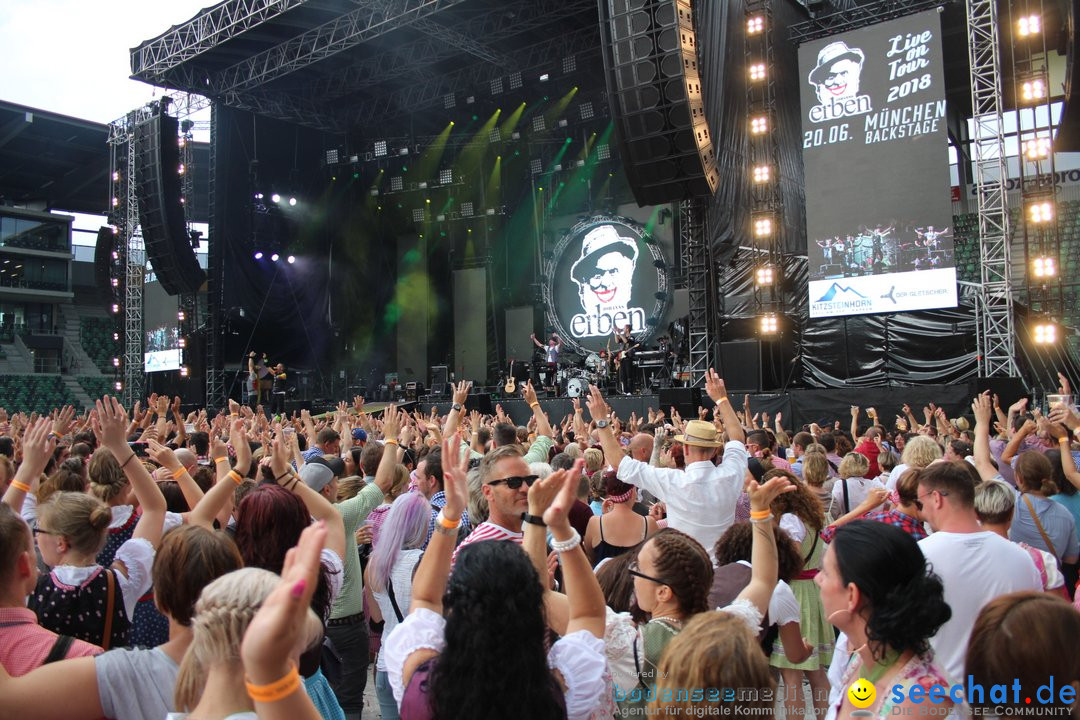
(161,214)
(654,87)
(103,263)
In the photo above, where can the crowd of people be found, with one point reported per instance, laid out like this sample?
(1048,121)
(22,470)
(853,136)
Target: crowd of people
(588,567)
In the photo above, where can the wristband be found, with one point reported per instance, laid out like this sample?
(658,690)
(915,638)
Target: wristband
(20,486)
(236,477)
(760,514)
(177,474)
(223,458)
(127,461)
(723,399)
(390,442)
(277,690)
(534,404)
(443,521)
(762,521)
(284,474)
(533,519)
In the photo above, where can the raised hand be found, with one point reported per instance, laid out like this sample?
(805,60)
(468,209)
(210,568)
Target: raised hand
(62,424)
(980,407)
(111,422)
(164,456)
(455,482)
(1063,385)
(557,516)
(161,405)
(762,495)
(854,411)
(714,386)
(598,409)
(392,422)
(358,404)
(38,445)
(528,392)
(1019,406)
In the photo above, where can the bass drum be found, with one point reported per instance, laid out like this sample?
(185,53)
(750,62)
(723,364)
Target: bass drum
(594,362)
(577,387)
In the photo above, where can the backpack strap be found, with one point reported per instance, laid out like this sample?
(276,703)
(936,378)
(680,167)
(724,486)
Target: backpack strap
(1039,525)
(59,649)
(847,498)
(393,600)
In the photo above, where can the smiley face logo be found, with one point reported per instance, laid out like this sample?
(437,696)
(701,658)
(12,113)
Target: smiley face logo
(862,693)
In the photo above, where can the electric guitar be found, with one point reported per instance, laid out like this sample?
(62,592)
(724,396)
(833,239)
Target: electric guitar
(623,353)
(510,387)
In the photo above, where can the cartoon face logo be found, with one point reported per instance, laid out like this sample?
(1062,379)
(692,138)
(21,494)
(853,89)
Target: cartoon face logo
(862,693)
(836,76)
(605,271)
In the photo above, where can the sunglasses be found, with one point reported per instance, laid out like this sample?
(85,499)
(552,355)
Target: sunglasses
(635,570)
(515,482)
(39,531)
(918,499)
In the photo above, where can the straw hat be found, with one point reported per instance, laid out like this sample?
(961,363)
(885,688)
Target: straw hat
(700,433)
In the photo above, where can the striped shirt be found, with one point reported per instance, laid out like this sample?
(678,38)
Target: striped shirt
(487,531)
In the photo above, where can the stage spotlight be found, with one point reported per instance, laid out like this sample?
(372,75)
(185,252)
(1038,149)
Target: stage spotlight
(765,275)
(291,259)
(446,176)
(119,386)
(180,316)
(755,25)
(762,174)
(115,201)
(763,226)
(769,325)
(183,371)
(276,198)
(292,202)
(332,156)
(1044,267)
(115,308)
(258,255)
(274,257)
(116,362)
(116,177)
(182,342)
(1040,211)
(380,148)
(1045,333)
(1033,90)
(759,125)
(115,336)
(1037,148)
(1030,25)
(545,77)
(757,71)
(181,169)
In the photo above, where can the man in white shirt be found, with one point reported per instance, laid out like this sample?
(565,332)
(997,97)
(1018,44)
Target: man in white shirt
(975,565)
(700,500)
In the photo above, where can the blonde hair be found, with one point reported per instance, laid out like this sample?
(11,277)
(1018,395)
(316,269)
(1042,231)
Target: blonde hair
(223,612)
(349,487)
(594,458)
(81,519)
(854,465)
(920,451)
(400,482)
(107,480)
(573,450)
(815,469)
(717,653)
(478,504)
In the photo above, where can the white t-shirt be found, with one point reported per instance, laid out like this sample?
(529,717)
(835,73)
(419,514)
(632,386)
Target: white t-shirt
(975,568)
(894,476)
(783,606)
(858,489)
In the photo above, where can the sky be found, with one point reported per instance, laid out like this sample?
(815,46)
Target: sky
(72,56)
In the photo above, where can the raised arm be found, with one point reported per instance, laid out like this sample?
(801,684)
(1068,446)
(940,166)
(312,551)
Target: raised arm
(429,584)
(714,386)
(319,507)
(453,418)
(166,458)
(600,412)
(582,590)
(112,421)
(1017,439)
(384,475)
(763,560)
(37,447)
(855,423)
(543,426)
(980,406)
(1068,465)
(536,342)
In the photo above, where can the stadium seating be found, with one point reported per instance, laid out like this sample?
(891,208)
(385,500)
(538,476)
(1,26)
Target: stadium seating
(96,337)
(34,393)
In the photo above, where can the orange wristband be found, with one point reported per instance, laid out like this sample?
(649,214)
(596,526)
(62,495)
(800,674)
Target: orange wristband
(20,486)
(178,473)
(277,690)
(760,514)
(390,442)
(236,477)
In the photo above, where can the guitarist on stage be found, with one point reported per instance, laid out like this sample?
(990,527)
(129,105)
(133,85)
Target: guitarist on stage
(624,360)
(551,358)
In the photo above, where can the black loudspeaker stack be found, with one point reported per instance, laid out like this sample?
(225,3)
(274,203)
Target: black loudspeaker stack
(104,263)
(685,400)
(161,214)
(651,61)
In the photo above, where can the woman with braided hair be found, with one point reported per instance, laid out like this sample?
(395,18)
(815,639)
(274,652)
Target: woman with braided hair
(619,529)
(802,517)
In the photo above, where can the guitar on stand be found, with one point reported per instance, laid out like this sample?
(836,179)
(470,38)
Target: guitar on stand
(511,386)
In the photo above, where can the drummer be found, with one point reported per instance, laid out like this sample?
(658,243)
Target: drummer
(551,358)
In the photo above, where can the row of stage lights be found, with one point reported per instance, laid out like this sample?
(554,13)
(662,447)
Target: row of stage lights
(274,257)
(762,223)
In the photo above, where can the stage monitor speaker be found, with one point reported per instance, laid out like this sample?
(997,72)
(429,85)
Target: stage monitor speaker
(440,378)
(161,214)
(481,402)
(739,363)
(104,263)
(685,400)
(654,88)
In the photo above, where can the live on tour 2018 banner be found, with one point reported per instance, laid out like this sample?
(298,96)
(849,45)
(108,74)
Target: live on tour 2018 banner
(878,210)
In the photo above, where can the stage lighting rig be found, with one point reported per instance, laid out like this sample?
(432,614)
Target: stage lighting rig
(1033,89)
(765,275)
(759,125)
(757,71)
(1045,332)
(1044,267)
(769,324)
(763,225)
(1040,212)
(755,24)
(1037,148)
(1028,25)
(762,174)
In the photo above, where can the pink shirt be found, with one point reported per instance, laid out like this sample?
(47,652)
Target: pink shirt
(24,644)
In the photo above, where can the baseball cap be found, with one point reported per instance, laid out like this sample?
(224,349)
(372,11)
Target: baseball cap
(359,435)
(316,475)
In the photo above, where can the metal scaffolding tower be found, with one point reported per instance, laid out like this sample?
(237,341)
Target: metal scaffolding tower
(697,261)
(215,274)
(997,348)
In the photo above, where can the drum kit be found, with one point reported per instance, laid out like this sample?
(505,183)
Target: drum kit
(574,374)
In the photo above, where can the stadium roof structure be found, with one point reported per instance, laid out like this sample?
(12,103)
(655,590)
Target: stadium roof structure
(337,65)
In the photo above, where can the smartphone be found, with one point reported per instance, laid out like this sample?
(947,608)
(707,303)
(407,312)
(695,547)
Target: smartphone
(138,448)
(189,428)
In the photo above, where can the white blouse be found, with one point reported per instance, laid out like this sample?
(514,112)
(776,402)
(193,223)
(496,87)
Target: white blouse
(622,639)
(137,555)
(579,657)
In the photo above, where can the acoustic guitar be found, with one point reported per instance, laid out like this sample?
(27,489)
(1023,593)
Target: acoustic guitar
(511,387)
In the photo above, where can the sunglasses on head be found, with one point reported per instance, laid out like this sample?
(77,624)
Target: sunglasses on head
(516,481)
